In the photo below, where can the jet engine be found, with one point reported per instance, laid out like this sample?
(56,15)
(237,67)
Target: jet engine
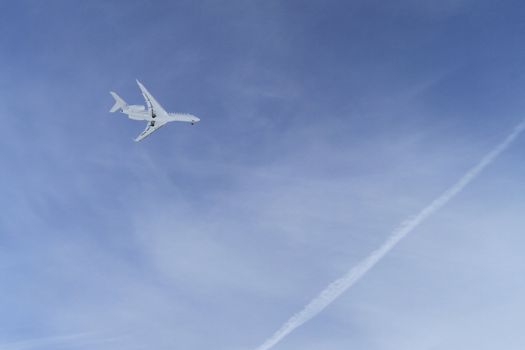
(137,108)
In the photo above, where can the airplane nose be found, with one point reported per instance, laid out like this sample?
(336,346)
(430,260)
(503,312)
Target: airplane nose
(194,120)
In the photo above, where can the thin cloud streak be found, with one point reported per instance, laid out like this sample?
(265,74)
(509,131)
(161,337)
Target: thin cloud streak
(45,341)
(341,285)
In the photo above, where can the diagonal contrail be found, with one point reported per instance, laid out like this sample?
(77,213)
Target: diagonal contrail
(339,286)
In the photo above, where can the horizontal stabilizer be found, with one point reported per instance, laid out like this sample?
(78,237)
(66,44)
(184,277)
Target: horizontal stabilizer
(119,103)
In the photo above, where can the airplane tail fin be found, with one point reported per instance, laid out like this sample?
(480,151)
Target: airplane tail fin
(119,102)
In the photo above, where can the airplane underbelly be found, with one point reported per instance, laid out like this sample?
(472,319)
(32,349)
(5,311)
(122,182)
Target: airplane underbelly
(139,116)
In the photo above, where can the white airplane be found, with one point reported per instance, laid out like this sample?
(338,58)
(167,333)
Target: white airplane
(155,115)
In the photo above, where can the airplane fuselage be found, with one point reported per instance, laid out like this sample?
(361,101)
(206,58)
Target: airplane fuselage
(168,117)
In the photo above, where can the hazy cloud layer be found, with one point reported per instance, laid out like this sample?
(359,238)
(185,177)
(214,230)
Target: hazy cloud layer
(323,125)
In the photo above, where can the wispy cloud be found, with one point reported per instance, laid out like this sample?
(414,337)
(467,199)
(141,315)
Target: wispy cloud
(73,339)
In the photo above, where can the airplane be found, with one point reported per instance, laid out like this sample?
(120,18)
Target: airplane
(154,115)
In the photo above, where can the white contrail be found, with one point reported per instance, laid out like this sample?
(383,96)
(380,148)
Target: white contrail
(339,286)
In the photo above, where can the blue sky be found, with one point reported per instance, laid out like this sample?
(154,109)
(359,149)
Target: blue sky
(324,125)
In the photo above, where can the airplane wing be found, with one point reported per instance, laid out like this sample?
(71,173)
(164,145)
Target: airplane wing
(153,105)
(150,127)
